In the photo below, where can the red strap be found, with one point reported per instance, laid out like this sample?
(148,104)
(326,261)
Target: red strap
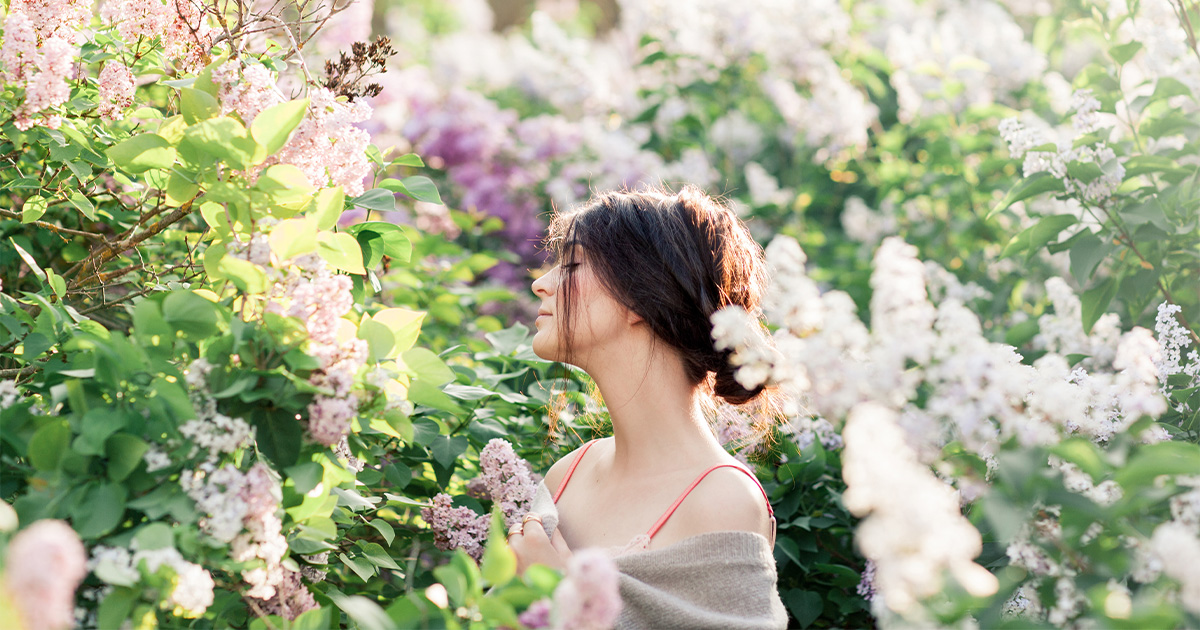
(663,521)
(571,471)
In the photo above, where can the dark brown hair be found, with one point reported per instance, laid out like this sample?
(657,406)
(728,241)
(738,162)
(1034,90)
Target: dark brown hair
(674,260)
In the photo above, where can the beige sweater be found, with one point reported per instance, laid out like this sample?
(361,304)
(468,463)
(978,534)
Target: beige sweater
(718,580)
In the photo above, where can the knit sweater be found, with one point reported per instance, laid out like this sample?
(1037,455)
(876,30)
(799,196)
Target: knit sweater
(719,580)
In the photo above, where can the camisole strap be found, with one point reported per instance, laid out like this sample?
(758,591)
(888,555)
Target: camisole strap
(571,471)
(663,520)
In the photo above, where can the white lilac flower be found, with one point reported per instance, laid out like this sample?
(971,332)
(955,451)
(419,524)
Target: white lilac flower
(913,528)
(218,434)
(193,591)
(1178,549)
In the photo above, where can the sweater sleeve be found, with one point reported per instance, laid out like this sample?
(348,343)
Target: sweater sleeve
(722,580)
(543,506)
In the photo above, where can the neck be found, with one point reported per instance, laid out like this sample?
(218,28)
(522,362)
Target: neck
(658,425)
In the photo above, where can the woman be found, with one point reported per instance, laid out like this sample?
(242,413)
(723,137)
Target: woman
(629,302)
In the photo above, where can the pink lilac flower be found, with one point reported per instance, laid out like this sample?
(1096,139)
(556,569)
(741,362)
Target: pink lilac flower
(537,615)
(188,36)
(19,52)
(292,598)
(47,87)
(329,418)
(588,598)
(116,90)
(46,562)
(137,19)
(245,91)
(456,527)
(507,480)
(55,18)
(327,146)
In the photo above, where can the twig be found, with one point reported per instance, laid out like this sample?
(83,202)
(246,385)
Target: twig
(50,226)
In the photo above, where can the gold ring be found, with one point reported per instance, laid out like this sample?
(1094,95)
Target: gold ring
(532,516)
(516,531)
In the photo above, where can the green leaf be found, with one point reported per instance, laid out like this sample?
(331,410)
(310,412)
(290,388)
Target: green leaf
(328,206)
(426,366)
(1122,53)
(57,283)
(384,528)
(446,449)
(1095,301)
(378,337)
(341,251)
(274,125)
(364,612)
(48,444)
(124,453)
(114,611)
(362,568)
(1039,234)
(225,139)
(408,159)
(1084,171)
(305,476)
(1022,333)
(1164,458)
(155,536)
(499,564)
(395,243)
(1083,453)
(806,606)
(286,185)
(142,153)
(97,425)
(196,105)
(1035,184)
(377,555)
(421,188)
(278,435)
(190,314)
(100,511)
(83,205)
(293,237)
(1149,211)
(1086,252)
(180,189)
(33,209)
(29,260)
(245,275)
(377,199)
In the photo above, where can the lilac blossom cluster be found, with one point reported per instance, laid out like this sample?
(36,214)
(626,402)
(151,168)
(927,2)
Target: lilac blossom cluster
(187,37)
(241,510)
(116,88)
(1058,162)
(45,563)
(192,592)
(214,432)
(1174,339)
(310,292)
(912,528)
(456,527)
(508,480)
(41,40)
(327,146)
(588,597)
(929,376)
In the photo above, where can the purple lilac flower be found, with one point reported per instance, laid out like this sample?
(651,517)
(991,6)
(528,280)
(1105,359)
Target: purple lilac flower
(537,615)
(456,527)
(507,480)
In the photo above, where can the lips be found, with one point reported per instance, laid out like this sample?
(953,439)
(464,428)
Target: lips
(546,313)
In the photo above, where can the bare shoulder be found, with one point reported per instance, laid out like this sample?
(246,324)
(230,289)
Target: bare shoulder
(555,475)
(726,500)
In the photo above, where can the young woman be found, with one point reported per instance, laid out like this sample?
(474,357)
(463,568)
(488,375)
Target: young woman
(691,529)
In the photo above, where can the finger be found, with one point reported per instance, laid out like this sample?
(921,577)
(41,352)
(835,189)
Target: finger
(560,545)
(536,535)
(532,516)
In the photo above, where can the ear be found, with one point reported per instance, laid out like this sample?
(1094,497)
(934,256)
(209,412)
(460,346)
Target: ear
(633,318)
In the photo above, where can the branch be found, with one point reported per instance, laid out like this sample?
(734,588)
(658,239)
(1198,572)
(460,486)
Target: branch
(50,226)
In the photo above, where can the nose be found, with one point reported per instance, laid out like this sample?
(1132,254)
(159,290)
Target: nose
(543,287)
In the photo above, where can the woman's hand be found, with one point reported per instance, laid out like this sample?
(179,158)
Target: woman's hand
(531,545)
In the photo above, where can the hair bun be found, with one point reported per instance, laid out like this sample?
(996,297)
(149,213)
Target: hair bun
(727,386)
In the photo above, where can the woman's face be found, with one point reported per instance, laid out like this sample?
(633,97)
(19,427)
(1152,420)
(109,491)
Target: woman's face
(596,318)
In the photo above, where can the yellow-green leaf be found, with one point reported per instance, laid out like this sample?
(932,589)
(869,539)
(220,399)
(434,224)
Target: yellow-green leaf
(274,125)
(33,209)
(405,326)
(142,153)
(293,237)
(341,251)
(196,105)
(328,206)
